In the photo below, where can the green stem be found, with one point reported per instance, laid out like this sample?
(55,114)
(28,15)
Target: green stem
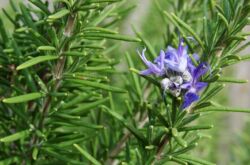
(168,110)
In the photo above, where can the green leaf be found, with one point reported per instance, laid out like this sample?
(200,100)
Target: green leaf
(46,48)
(98,68)
(161,117)
(224,20)
(41,5)
(99,29)
(88,46)
(60,157)
(67,117)
(134,76)
(13,5)
(66,2)
(23,98)
(189,157)
(71,141)
(59,14)
(11,160)
(87,155)
(213,79)
(178,139)
(35,153)
(203,105)
(227,9)
(205,31)
(97,85)
(8,50)
(75,124)
(86,107)
(38,38)
(193,128)
(114,114)
(245,57)
(219,8)
(186,149)
(212,92)
(15,136)
(132,129)
(27,18)
(231,80)
(223,109)
(3,31)
(35,61)
(88,7)
(179,161)
(76,100)
(148,45)
(102,16)
(188,28)
(41,83)
(136,132)
(189,119)
(230,57)
(74,53)
(103,1)
(113,36)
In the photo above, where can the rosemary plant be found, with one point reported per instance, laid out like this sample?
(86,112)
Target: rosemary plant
(64,101)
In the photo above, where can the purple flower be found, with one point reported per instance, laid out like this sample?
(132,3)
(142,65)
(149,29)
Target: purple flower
(156,68)
(177,59)
(180,77)
(173,60)
(194,86)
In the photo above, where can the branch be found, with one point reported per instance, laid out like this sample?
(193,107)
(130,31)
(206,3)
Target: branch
(160,148)
(58,75)
(59,66)
(120,145)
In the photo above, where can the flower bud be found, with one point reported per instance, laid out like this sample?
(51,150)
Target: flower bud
(165,84)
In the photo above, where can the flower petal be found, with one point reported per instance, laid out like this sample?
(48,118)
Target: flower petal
(200,85)
(190,64)
(182,64)
(179,66)
(157,68)
(189,98)
(171,54)
(182,49)
(160,59)
(144,59)
(200,70)
(146,72)
(187,85)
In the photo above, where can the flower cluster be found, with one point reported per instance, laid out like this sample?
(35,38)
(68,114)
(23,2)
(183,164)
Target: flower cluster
(180,76)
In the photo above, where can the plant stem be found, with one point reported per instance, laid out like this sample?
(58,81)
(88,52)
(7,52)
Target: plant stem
(59,66)
(58,75)
(120,145)
(160,148)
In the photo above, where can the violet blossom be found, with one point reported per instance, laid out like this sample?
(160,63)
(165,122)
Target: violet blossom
(177,59)
(180,76)
(157,68)
(194,86)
